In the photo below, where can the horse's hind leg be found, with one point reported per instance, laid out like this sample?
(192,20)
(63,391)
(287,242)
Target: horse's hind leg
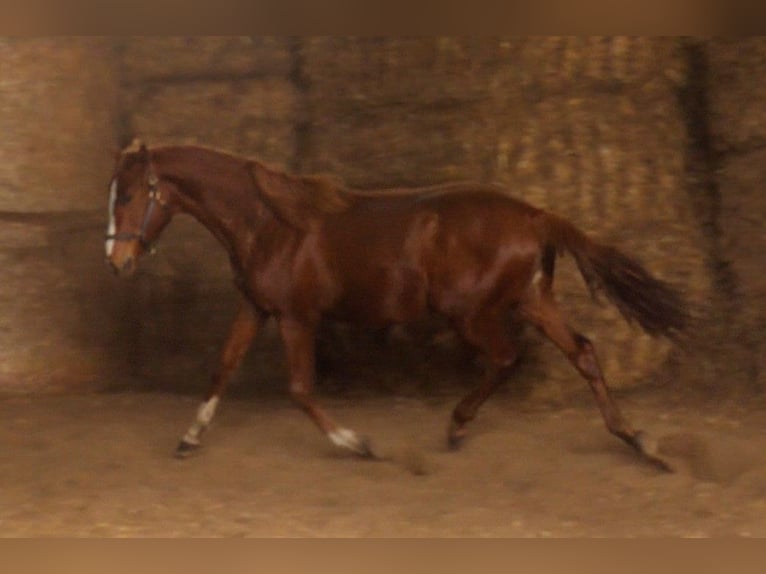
(243,330)
(541,310)
(490,333)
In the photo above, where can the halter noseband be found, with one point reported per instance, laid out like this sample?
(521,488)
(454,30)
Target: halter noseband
(154,200)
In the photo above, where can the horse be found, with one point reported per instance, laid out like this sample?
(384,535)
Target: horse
(303,248)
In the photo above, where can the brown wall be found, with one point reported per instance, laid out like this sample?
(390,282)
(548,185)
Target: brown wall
(592,128)
(58,99)
(737,104)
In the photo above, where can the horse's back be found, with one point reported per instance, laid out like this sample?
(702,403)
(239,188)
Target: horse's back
(466,213)
(487,249)
(442,247)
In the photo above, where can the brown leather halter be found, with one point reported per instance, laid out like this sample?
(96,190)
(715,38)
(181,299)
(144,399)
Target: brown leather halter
(155,199)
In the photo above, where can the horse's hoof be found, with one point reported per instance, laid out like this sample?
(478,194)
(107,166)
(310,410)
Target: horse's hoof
(186,449)
(455,441)
(365,450)
(649,449)
(455,436)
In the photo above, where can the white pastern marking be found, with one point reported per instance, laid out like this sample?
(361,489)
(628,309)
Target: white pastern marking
(206,411)
(111,230)
(192,435)
(204,416)
(345,438)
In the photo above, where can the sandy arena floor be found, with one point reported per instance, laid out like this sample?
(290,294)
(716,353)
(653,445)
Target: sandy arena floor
(100,465)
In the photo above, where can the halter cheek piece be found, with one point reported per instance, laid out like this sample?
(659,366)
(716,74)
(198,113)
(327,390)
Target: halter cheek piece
(154,200)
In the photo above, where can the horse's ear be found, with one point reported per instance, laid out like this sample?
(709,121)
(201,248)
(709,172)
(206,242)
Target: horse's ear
(135,146)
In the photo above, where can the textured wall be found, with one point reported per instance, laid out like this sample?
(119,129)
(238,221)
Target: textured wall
(588,127)
(737,88)
(595,133)
(235,93)
(57,103)
(591,128)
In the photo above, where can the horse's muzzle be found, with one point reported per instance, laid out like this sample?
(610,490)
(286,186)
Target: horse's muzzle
(122,268)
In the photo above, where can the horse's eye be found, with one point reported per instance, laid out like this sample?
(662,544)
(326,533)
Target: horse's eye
(123,199)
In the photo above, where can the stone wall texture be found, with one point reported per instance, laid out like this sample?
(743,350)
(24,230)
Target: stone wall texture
(591,128)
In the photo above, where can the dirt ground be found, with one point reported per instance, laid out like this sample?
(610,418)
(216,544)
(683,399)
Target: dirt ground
(101,465)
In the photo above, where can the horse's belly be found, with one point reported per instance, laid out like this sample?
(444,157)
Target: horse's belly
(385,295)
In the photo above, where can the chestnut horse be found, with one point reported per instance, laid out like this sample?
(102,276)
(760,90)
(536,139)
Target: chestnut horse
(303,248)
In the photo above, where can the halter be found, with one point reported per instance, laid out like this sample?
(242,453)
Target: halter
(154,199)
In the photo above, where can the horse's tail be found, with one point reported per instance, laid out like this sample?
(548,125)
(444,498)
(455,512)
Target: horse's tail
(654,304)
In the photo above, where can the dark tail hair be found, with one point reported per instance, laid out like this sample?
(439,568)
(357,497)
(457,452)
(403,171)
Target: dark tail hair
(654,304)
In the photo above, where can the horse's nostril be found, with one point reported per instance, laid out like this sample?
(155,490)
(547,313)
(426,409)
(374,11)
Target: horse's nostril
(121,269)
(127,267)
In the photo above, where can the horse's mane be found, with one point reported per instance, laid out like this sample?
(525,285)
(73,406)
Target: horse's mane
(301,199)
(324,193)
(296,199)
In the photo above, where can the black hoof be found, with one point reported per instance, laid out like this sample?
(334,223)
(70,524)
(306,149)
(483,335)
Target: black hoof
(649,449)
(662,464)
(455,435)
(365,450)
(185,449)
(455,441)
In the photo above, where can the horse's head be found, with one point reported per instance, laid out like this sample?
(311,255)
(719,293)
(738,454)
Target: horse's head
(138,209)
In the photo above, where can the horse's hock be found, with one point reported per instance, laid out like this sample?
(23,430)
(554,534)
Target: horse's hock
(591,128)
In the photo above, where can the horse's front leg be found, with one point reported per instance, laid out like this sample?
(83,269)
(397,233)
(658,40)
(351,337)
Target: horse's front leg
(299,338)
(237,343)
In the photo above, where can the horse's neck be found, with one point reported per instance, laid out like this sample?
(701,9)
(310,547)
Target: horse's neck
(220,197)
